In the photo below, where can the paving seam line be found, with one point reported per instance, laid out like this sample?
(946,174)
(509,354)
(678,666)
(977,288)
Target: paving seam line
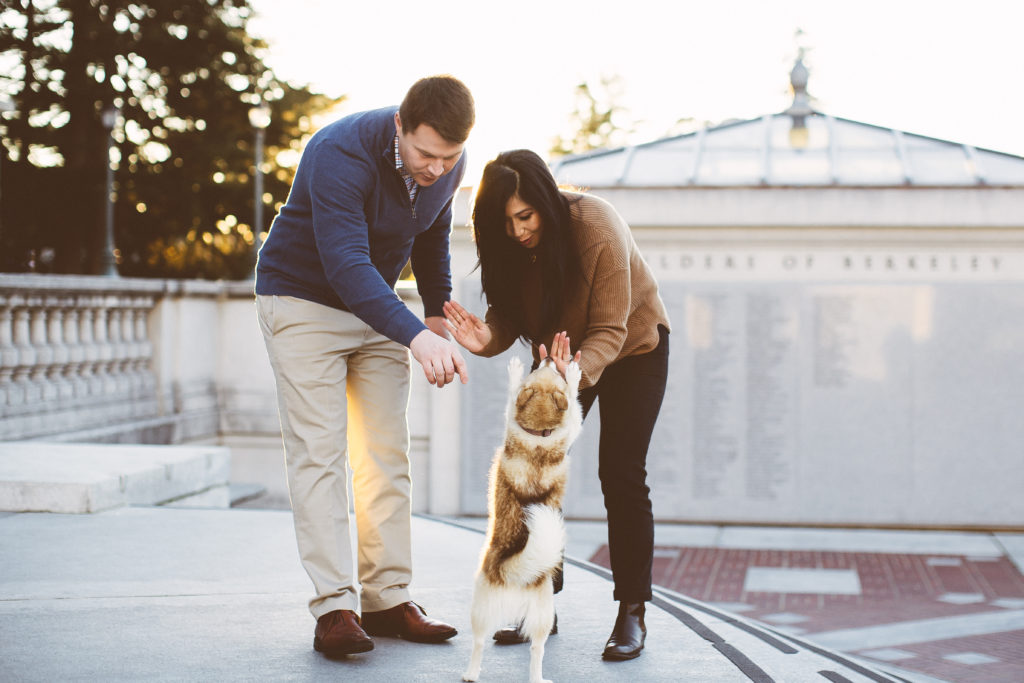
(730,652)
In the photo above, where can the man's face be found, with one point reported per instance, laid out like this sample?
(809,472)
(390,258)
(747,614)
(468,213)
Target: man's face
(426,155)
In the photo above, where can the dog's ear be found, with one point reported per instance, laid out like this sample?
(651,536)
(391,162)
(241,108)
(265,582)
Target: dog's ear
(524,397)
(560,401)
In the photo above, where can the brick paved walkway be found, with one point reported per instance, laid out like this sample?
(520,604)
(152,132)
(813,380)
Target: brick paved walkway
(953,617)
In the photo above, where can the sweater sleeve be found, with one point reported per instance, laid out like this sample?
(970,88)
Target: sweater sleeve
(431,262)
(610,297)
(339,186)
(608,309)
(502,336)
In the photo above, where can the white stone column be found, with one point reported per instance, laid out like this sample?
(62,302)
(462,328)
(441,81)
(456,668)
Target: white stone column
(445,468)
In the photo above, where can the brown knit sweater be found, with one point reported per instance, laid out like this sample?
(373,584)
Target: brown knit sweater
(615,314)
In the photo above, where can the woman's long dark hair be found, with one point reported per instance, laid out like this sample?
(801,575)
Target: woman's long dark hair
(503,262)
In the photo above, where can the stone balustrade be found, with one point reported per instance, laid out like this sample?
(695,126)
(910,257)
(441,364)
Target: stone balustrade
(119,360)
(73,349)
(128,360)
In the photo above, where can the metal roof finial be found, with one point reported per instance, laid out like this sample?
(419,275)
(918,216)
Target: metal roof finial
(798,78)
(800,109)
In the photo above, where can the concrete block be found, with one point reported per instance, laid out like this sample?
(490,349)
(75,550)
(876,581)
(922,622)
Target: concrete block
(83,478)
(214,497)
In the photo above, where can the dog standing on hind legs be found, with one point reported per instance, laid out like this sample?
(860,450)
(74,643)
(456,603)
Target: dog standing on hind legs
(525,532)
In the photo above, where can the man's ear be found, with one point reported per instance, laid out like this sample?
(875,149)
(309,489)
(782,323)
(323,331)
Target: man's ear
(398,123)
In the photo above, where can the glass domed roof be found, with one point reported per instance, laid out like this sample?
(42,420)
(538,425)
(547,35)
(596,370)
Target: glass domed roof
(772,151)
(797,147)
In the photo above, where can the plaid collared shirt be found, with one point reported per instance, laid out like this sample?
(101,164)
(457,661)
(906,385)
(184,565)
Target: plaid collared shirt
(410,184)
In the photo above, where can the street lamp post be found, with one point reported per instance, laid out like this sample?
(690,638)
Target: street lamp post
(6,104)
(259,117)
(108,262)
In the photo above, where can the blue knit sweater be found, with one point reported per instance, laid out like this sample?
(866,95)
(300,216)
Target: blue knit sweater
(348,228)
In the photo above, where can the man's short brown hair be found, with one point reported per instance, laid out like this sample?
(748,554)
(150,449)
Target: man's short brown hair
(442,102)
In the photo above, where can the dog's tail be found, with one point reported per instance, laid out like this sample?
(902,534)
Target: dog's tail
(544,546)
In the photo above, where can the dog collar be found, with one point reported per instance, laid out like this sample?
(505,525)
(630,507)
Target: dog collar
(537,432)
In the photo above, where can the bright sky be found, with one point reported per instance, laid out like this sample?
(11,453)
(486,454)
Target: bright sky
(944,68)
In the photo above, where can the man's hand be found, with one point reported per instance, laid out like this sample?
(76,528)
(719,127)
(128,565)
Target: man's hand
(440,358)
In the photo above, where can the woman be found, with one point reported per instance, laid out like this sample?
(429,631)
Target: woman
(560,265)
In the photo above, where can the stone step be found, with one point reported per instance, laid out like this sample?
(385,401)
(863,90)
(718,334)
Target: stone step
(40,476)
(243,492)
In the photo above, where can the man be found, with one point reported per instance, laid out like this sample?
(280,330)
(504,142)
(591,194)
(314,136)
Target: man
(372,190)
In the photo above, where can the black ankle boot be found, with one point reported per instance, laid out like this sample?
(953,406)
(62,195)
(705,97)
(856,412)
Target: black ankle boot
(512,635)
(628,636)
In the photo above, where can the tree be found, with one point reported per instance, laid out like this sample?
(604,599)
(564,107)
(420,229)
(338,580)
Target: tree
(183,76)
(597,122)
(205,190)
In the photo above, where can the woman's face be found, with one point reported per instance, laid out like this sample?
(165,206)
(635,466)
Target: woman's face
(522,222)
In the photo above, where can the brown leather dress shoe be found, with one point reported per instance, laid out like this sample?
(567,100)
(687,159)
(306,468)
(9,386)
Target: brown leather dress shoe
(339,633)
(409,621)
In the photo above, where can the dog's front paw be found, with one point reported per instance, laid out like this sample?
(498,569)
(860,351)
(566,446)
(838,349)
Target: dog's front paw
(515,370)
(573,374)
(471,675)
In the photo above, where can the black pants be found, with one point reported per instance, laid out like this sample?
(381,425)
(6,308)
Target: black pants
(630,392)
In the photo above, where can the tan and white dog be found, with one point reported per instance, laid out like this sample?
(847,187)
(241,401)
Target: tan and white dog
(525,532)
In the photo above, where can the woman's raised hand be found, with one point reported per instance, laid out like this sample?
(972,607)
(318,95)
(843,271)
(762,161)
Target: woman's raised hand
(560,353)
(470,331)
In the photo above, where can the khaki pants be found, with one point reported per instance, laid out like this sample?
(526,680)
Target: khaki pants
(343,392)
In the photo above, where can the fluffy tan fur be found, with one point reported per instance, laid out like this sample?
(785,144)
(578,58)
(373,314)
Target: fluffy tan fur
(525,533)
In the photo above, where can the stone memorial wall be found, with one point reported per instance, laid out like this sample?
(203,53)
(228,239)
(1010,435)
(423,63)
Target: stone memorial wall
(829,386)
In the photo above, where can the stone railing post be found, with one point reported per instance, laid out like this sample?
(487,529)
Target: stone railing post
(106,384)
(90,353)
(26,392)
(144,379)
(37,328)
(56,309)
(8,354)
(72,370)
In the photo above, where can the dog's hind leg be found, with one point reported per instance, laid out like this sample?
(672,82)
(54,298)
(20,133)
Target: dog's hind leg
(540,616)
(481,616)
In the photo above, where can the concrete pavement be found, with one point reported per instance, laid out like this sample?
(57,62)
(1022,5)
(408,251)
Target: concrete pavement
(163,594)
